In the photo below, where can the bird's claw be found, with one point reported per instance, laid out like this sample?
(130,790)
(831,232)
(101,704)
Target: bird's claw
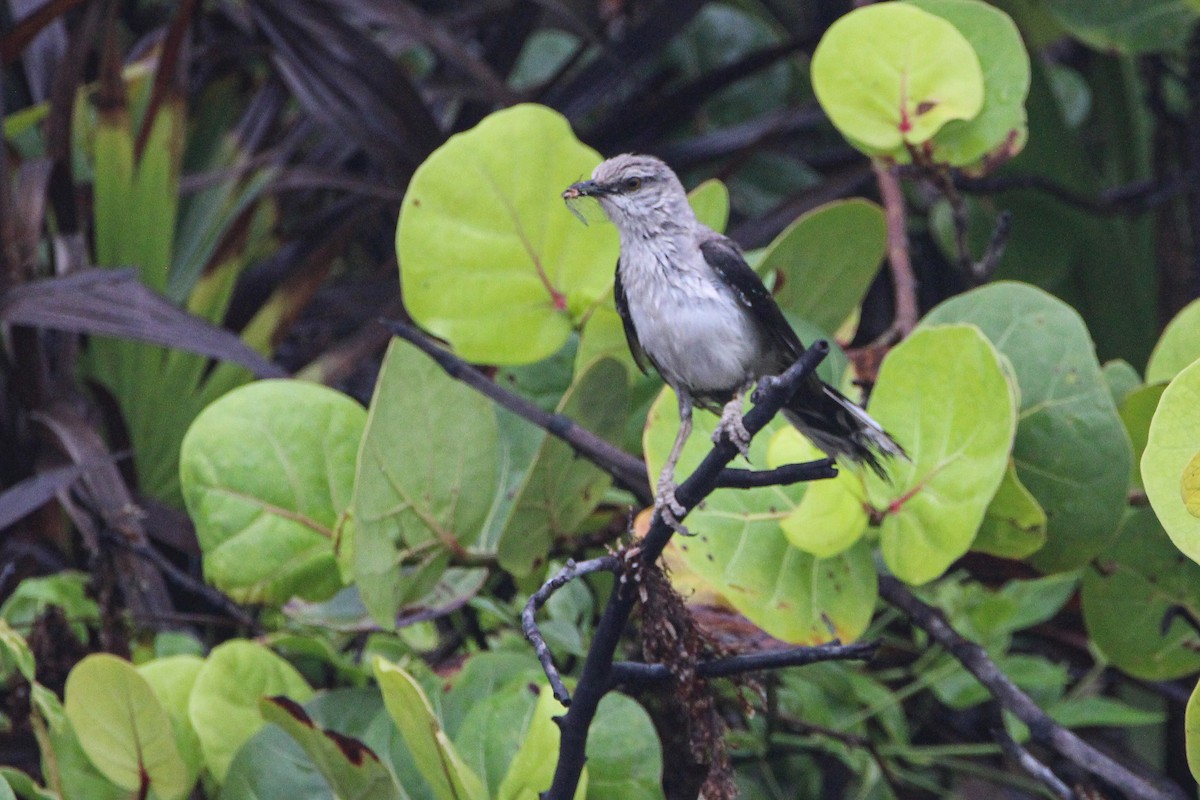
(732,428)
(669,508)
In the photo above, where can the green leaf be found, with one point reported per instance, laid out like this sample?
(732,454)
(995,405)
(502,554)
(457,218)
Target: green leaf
(1169,462)
(223,707)
(624,756)
(435,755)
(1121,378)
(1100,712)
(999,129)
(532,768)
(710,202)
(352,769)
(63,590)
(123,728)
(1178,346)
(493,732)
(490,259)
(267,470)
(427,475)
(832,514)
(21,785)
(1014,525)
(1137,413)
(944,396)
(740,551)
(1127,593)
(892,75)
(1034,674)
(172,679)
(485,675)
(1127,26)
(561,489)
(1191,730)
(1071,450)
(826,260)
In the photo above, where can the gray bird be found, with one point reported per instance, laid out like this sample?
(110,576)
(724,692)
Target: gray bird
(694,310)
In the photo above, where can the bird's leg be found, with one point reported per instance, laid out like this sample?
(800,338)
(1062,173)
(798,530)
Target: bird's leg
(664,501)
(731,425)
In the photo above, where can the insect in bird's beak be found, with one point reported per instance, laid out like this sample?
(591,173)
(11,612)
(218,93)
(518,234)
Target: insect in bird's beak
(577,192)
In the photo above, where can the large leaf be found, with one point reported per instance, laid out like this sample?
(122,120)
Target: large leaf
(267,472)
(741,552)
(223,707)
(943,394)
(624,754)
(1014,525)
(532,767)
(172,679)
(428,471)
(1127,593)
(999,128)
(891,75)
(124,729)
(489,259)
(827,259)
(1171,462)
(561,489)
(436,757)
(1178,346)
(1071,450)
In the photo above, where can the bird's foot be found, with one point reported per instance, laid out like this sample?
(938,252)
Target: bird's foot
(668,507)
(732,428)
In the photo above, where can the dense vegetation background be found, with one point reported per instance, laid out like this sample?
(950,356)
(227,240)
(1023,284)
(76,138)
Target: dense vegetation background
(199,194)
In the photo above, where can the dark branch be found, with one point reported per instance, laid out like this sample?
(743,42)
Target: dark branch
(1024,758)
(529,626)
(1132,199)
(1042,728)
(626,469)
(632,672)
(780,476)
(596,678)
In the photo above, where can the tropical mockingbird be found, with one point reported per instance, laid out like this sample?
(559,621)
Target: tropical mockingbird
(695,311)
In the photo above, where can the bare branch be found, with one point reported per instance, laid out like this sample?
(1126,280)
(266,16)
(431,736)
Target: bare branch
(1041,727)
(632,672)
(529,626)
(1025,759)
(899,262)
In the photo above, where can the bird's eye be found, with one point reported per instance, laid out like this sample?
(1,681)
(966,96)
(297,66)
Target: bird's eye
(630,184)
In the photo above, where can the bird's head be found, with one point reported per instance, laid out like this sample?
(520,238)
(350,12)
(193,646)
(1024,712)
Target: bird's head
(638,193)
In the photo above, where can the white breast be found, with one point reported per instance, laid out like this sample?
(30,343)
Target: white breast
(686,321)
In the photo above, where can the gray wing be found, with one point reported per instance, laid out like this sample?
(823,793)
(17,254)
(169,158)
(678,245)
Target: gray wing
(635,346)
(726,259)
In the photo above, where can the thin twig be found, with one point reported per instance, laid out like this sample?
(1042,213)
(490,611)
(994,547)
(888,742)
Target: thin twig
(529,625)
(903,280)
(1042,728)
(626,469)
(185,581)
(985,266)
(1026,760)
(595,680)
(633,672)
(1131,199)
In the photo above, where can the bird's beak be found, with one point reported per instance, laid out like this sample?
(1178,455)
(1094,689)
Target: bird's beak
(583,189)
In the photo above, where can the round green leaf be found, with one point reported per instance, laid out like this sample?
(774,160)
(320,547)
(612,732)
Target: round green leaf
(826,260)
(1137,412)
(266,471)
(624,756)
(1170,461)
(891,75)
(123,727)
(742,553)
(1121,378)
(1178,346)
(1071,450)
(490,258)
(428,472)
(999,129)
(943,395)
(223,706)
(832,514)
(1127,592)
(1191,731)
(561,489)
(1127,26)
